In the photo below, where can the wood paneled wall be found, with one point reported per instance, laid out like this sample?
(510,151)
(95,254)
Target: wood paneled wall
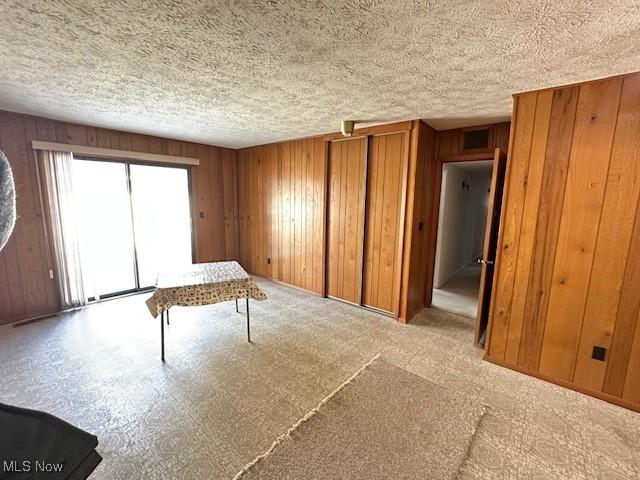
(384,226)
(568,266)
(282,211)
(420,197)
(26,290)
(450,142)
(346,217)
(283,217)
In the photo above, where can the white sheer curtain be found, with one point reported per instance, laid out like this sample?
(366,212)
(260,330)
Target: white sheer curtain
(56,168)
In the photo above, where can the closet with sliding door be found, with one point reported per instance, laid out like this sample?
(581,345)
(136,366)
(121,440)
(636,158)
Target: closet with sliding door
(367,180)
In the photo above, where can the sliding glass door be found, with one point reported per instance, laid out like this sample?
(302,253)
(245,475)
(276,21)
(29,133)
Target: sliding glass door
(162,219)
(105,233)
(135,220)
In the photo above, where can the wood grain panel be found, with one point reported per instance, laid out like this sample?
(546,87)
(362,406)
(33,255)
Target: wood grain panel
(511,221)
(556,163)
(374,214)
(320,151)
(230,191)
(420,187)
(586,179)
(203,193)
(414,199)
(216,197)
(347,170)
(450,142)
(386,161)
(533,184)
(281,203)
(19,273)
(631,391)
(614,237)
(297,183)
(627,319)
(26,290)
(578,275)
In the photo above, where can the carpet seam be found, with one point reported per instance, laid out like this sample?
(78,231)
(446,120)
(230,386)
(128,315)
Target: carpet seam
(467,453)
(306,417)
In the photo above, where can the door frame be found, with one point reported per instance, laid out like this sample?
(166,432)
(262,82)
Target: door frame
(127,165)
(407,128)
(435,213)
(492,230)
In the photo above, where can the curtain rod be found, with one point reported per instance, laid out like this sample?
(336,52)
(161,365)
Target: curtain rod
(112,153)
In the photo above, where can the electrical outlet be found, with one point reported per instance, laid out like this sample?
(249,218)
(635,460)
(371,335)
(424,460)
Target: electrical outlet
(599,353)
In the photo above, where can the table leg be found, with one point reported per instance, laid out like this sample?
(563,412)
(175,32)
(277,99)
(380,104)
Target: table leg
(167,316)
(248,327)
(162,336)
(237,311)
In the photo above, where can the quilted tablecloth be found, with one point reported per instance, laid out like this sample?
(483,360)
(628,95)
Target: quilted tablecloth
(203,284)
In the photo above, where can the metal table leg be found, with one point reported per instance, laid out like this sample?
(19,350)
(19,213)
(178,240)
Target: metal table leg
(162,336)
(237,311)
(167,316)
(248,326)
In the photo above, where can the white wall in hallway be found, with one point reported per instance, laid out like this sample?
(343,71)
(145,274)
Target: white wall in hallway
(462,217)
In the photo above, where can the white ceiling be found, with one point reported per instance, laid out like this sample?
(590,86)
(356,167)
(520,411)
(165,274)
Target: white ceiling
(239,73)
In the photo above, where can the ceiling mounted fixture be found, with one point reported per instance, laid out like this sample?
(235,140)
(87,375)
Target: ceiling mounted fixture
(346,127)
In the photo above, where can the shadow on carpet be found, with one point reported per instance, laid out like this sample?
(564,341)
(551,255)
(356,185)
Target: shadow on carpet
(384,422)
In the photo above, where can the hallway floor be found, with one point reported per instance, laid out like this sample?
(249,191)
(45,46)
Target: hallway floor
(459,294)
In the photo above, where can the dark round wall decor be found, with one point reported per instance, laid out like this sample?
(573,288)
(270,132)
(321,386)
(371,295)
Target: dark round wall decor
(7,200)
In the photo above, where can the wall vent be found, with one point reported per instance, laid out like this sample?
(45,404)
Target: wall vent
(475,139)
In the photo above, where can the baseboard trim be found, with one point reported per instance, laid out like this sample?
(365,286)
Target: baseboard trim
(620,402)
(285,284)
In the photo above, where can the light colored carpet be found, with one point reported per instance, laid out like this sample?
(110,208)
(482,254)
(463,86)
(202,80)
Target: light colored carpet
(384,422)
(219,401)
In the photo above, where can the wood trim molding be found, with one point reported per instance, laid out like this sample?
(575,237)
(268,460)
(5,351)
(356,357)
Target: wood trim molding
(112,153)
(435,212)
(374,130)
(288,285)
(363,215)
(325,218)
(403,314)
(397,294)
(467,157)
(499,247)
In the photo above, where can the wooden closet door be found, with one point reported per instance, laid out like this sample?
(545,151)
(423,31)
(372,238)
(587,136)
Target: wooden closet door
(382,252)
(347,177)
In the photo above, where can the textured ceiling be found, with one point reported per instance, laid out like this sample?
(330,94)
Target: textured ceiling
(240,73)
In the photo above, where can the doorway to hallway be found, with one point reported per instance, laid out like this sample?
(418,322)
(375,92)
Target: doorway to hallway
(464,202)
